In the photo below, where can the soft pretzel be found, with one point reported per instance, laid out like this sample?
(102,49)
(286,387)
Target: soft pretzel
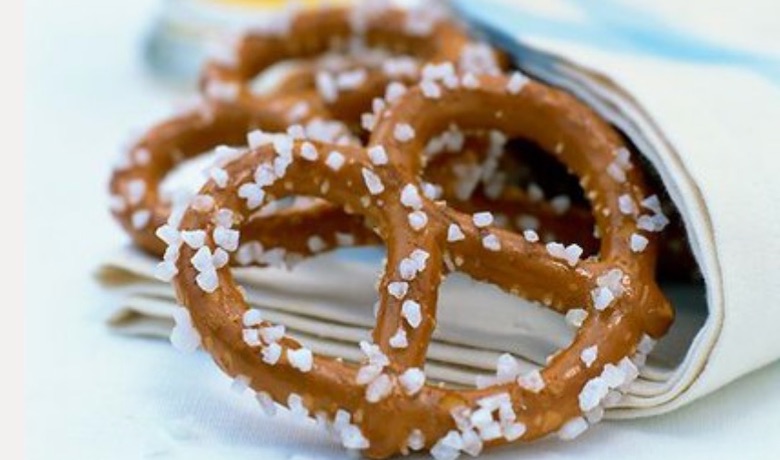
(385,406)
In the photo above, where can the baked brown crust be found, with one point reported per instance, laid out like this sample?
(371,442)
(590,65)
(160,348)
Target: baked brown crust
(225,121)
(617,287)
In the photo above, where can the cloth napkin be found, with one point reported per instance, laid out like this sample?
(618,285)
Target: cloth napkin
(707,126)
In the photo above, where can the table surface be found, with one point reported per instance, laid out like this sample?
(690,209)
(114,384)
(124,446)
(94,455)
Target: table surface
(91,394)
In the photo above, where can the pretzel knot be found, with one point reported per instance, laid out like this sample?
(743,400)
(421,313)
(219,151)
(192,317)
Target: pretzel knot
(326,105)
(385,406)
(231,108)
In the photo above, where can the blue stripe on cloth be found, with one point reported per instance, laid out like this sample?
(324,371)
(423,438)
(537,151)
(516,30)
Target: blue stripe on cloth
(615,26)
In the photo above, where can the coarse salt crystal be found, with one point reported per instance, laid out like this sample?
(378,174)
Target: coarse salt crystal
(165,271)
(373,182)
(626,204)
(379,389)
(394,91)
(207,280)
(454,233)
(416,440)
(530,236)
(516,83)
(298,111)
(430,89)
(638,242)
(589,355)
(403,132)
(252,193)
(352,438)
(378,155)
(532,381)
(576,316)
(202,203)
(571,254)
(300,359)
(602,298)
(412,380)
(410,197)
(252,317)
(514,431)
(141,218)
(616,172)
(219,176)
(398,289)
(469,81)
(408,268)
(417,220)
(257,138)
(251,337)
(326,86)
(482,219)
(335,160)
(366,374)
(316,244)
(309,151)
(272,334)
(491,242)
(351,79)
(345,239)
(226,238)
(410,310)
(572,429)
(136,189)
(399,340)
(220,258)
(296,406)
(271,353)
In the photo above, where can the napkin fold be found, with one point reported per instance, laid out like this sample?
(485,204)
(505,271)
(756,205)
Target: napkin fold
(327,303)
(710,131)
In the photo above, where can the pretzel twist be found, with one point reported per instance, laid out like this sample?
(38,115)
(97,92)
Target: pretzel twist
(385,407)
(312,33)
(220,120)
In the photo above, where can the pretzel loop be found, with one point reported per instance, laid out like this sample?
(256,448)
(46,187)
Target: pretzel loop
(388,407)
(315,32)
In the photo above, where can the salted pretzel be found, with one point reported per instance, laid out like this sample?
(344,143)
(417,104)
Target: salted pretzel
(386,406)
(141,210)
(227,115)
(137,203)
(417,35)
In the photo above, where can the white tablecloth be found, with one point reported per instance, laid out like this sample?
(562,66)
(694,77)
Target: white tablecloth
(94,395)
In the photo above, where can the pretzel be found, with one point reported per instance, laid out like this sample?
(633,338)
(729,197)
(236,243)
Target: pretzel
(136,202)
(385,406)
(424,34)
(295,100)
(141,210)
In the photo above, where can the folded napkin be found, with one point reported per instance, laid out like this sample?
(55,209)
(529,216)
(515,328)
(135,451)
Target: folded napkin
(706,117)
(709,131)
